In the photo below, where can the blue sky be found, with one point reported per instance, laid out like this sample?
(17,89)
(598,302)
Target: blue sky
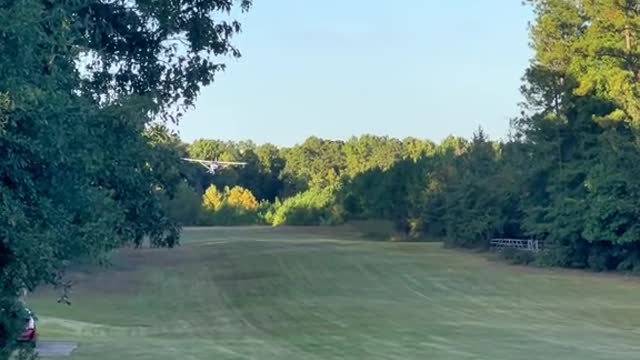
(336,68)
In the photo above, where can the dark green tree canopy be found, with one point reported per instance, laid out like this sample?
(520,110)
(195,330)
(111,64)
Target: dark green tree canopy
(597,45)
(164,51)
(81,170)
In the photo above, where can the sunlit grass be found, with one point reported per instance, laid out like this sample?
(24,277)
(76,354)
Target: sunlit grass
(262,293)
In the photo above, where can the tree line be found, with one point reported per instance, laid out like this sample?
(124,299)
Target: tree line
(559,182)
(567,174)
(312,175)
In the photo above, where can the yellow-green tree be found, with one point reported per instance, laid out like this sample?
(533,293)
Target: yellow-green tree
(241,198)
(212,199)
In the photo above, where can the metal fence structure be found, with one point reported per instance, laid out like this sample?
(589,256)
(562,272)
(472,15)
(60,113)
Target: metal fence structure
(520,244)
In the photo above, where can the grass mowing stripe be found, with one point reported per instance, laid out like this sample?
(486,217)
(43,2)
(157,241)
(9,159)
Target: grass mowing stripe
(263,293)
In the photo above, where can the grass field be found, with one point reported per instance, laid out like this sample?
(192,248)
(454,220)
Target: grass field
(286,294)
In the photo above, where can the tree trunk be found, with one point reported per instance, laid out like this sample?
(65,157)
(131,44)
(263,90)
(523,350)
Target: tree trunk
(627,38)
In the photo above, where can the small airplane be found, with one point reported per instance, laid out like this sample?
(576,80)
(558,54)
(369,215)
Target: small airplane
(213,166)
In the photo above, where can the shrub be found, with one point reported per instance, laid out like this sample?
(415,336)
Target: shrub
(228,216)
(312,207)
(267,210)
(572,254)
(517,257)
(236,206)
(212,199)
(239,197)
(184,207)
(415,228)
(375,229)
(599,258)
(630,263)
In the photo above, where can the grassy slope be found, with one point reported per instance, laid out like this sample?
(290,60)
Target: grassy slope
(278,294)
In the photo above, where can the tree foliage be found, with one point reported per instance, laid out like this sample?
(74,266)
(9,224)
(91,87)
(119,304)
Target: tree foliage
(312,207)
(235,206)
(595,43)
(81,170)
(212,199)
(241,198)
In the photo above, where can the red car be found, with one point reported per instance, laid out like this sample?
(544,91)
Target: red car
(29,335)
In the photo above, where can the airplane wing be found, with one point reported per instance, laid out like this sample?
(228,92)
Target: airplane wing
(213,164)
(198,161)
(230,163)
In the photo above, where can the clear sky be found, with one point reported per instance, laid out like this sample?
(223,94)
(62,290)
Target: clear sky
(337,68)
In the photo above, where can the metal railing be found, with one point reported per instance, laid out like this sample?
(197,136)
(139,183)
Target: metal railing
(520,244)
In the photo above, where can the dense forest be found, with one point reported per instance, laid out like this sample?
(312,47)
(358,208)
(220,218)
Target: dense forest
(548,181)
(567,174)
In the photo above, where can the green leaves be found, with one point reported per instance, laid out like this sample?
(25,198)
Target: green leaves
(595,43)
(583,89)
(80,82)
(165,50)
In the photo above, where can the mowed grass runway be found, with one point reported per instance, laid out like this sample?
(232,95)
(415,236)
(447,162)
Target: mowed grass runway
(261,293)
